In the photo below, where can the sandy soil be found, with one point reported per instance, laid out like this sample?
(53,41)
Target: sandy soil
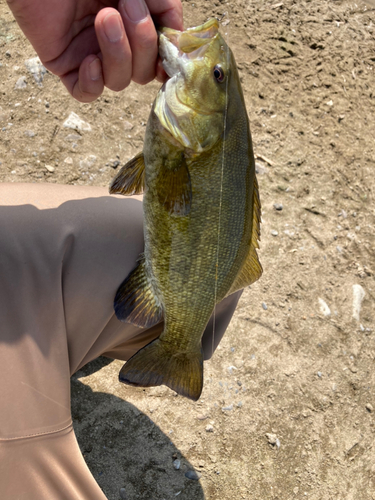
(288,407)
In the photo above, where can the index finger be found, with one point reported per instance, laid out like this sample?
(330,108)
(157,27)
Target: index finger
(167,13)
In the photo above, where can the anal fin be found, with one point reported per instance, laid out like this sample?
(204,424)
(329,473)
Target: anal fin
(135,301)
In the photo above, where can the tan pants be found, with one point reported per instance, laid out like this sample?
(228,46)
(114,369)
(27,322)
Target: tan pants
(64,250)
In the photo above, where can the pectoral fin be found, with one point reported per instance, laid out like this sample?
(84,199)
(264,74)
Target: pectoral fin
(174,188)
(131,178)
(252,269)
(155,365)
(135,301)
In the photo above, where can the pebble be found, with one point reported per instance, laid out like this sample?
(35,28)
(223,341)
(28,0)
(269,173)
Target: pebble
(21,83)
(114,163)
(123,494)
(8,54)
(264,305)
(227,408)
(324,309)
(50,168)
(369,407)
(128,125)
(240,404)
(68,160)
(358,296)
(260,169)
(75,122)
(192,474)
(274,232)
(319,374)
(87,162)
(30,133)
(37,69)
(273,440)
(177,464)
(73,137)
(209,428)
(278,206)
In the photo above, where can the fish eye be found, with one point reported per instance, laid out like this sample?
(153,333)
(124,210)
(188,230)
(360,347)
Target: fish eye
(219,73)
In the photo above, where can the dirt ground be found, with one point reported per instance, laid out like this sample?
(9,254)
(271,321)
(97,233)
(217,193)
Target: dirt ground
(288,407)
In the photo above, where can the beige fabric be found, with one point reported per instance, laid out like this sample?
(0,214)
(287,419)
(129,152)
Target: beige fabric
(64,250)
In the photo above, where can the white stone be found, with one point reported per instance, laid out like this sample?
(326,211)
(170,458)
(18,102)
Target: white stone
(358,296)
(37,69)
(76,123)
(324,309)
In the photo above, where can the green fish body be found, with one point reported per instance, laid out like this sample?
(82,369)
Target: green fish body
(201,208)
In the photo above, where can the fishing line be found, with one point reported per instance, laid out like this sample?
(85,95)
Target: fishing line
(226,37)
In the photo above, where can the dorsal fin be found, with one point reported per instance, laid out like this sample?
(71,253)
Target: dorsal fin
(131,178)
(251,270)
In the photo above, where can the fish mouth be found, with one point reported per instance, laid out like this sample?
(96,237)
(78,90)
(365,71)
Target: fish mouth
(178,47)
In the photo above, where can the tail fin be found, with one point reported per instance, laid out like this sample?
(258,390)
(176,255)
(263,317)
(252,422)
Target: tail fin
(155,365)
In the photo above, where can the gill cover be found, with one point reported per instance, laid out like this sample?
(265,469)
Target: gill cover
(191,104)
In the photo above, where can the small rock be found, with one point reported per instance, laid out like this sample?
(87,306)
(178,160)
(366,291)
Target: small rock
(128,125)
(114,163)
(8,54)
(123,494)
(37,69)
(358,296)
(192,474)
(231,368)
(264,305)
(369,407)
(260,169)
(50,168)
(30,133)
(202,417)
(87,162)
(319,374)
(324,309)
(21,83)
(274,232)
(209,428)
(278,206)
(227,408)
(239,404)
(75,122)
(273,440)
(177,464)
(73,137)
(68,160)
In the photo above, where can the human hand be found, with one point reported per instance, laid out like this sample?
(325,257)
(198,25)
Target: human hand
(92,44)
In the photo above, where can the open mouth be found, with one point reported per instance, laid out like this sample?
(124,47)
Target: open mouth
(176,47)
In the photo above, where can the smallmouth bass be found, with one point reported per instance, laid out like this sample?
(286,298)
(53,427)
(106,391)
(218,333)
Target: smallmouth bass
(201,208)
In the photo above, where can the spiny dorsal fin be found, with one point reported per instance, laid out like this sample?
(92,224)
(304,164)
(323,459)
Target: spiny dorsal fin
(252,269)
(174,187)
(155,365)
(135,301)
(131,178)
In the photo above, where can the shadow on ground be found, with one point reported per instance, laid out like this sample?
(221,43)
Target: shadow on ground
(124,448)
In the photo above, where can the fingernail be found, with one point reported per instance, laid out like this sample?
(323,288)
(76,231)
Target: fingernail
(95,69)
(112,27)
(136,10)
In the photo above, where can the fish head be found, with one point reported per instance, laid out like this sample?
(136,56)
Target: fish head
(191,105)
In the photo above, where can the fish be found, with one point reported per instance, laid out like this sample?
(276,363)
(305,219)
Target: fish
(201,208)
